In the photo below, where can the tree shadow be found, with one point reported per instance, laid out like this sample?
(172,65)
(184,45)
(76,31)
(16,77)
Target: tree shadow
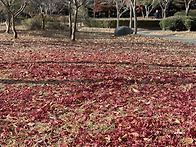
(102,62)
(89,81)
(64,34)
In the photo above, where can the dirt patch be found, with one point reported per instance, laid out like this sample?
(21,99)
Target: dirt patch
(82,33)
(87,33)
(176,33)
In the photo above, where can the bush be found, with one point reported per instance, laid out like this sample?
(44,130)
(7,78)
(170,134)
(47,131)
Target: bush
(100,23)
(82,14)
(51,22)
(111,23)
(183,13)
(33,23)
(2,17)
(178,23)
(55,26)
(188,23)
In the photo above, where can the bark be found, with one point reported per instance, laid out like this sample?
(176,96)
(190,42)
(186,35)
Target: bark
(187,6)
(142,11)
(187,11)
(8,22)
(119,7)
(117,21)
(118,16)
(109,13)
(164,13)
(43,21)
(13,27)
(133,5)
(70,20)
(164,4)
(77,5)
(149,8)
(135,19)
(73,36)
(131,16)
(147,11)
(12,16)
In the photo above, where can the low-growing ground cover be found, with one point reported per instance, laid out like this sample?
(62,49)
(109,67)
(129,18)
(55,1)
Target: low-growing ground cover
(97,91)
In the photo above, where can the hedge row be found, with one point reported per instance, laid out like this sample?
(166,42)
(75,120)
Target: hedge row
(179,23)
(111,23)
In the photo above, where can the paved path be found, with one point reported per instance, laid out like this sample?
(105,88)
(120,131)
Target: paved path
(179,38)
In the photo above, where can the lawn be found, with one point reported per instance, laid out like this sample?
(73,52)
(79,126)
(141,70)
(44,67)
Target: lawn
(100,90)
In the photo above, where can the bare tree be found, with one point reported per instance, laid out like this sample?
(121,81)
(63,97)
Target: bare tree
(76,5)
(130,16)
(149,6)
(187,6)
(44,7)
(70,18)
(133,7)
(164,4)
(12,14)
(121,7)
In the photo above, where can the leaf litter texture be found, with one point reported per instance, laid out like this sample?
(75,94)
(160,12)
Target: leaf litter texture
(97,92)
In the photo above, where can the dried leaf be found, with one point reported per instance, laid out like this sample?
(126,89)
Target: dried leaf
(124,136)
(177,121)
(188,140)
(135,134)
(135,90)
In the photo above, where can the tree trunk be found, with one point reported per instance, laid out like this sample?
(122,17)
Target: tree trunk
(149,9)
(187,10)
(13,27)
(11,17)
(118,15)
(135,17)
(73,36)
(142,11)
(164,11)
(109,13)
(70,20)
(93,10)
(187,6)
(131,16)
(118,18)
(43,21)
(8,22)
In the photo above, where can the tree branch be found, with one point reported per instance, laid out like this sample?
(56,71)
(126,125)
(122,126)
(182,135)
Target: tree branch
(21,9)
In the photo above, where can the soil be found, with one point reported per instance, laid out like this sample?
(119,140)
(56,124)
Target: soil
(97,32)
(177,33)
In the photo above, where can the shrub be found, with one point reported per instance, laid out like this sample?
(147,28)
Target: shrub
(2,17)
(51,22)
(82,13)
(193,24)
(183,13)
(55,26)
(178,23)
(173,23)
(99,23)
(33,23)
(188,23)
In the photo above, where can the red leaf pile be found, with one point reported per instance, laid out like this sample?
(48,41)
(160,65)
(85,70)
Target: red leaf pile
(126,91)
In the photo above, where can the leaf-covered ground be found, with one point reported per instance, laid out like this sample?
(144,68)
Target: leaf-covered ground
(97,91)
